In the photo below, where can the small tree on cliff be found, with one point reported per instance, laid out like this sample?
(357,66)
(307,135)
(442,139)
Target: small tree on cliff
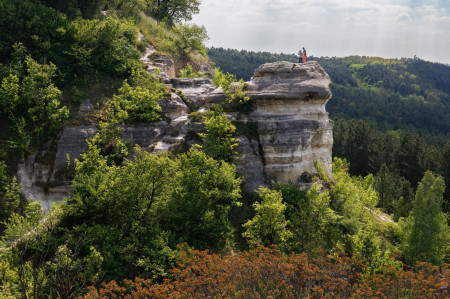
(219,140)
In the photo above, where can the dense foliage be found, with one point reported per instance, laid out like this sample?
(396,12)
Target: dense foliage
(173,11)
(266,272)
(137,99)
(119,232)
(399,160)
(30,101)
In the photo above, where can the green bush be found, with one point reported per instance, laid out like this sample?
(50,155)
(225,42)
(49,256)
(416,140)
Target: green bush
(219,140)
(137,99)
(188,72)
(31,101)
(105,45)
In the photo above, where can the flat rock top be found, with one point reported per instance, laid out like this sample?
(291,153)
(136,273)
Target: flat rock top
(289,80)
(190,82)
(288,70)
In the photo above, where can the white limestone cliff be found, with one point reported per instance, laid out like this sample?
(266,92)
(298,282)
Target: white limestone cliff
(292,129)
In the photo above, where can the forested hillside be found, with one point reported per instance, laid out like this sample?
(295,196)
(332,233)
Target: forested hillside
(392,115)
(173,224)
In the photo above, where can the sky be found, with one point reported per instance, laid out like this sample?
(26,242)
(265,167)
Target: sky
(383,28)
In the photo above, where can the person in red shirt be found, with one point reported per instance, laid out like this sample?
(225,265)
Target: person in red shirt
(304,55)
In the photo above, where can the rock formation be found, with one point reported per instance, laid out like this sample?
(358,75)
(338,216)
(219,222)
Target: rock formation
(288,128)
(195,90)
(293,126)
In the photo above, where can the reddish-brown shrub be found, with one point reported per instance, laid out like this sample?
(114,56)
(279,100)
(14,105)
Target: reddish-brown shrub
(268,273)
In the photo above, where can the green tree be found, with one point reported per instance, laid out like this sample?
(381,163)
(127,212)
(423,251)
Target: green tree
(446,173)
(107,45)
(407,161)
(85,8)
(354,200)
(111,146)
(31,101)
(395,193)
(190,38)
(119,210)
(269,226)
(201,200)
(310,216)
(173,11)
(137,100)
(426,232)
(42,98)
(219,140)
(367,244)
(10,200)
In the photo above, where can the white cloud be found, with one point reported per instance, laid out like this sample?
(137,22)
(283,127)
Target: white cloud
(388,28)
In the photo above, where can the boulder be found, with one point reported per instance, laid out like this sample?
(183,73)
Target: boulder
(86,106)
(173,107)
(194,89)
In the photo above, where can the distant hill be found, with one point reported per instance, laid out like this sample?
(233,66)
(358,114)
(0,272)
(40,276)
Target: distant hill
(394,93)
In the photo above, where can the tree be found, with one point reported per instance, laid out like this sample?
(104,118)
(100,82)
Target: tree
(269,226)
(31,101)
(137,99)
(395,193)
(119,210)
(219,140)
(173,11)
(426,232)
(407,160)
(85,8)
(446,173)
(200,202)
(190,38)
(10,201)
(354,200)
(310,217)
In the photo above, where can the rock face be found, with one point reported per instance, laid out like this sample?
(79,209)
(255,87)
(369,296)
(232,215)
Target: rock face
(288,106)
(293,126)
(250,164)
(72,143)
(196,90)
(287,129)
(165,63)
(34,177)
(173,107)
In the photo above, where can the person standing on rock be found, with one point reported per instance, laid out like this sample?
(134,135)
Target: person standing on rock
(300,56)
(304,55)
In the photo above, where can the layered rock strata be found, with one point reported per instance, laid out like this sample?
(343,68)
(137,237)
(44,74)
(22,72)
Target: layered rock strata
(288,129)
(293,126)
(288,106)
